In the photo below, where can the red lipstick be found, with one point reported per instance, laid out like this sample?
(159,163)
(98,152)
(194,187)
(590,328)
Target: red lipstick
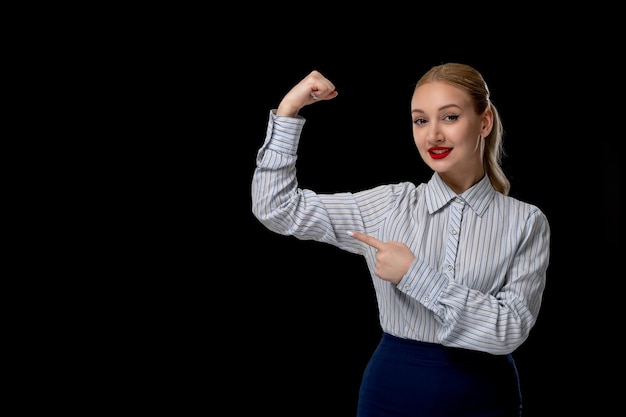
(439,152)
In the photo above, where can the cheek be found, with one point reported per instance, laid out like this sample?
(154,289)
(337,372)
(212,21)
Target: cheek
(419,138)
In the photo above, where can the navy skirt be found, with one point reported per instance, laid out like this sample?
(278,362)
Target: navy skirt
(407,378)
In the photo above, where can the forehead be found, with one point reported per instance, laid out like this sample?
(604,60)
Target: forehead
(434,95)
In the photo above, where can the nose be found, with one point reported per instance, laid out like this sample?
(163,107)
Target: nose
(435,135)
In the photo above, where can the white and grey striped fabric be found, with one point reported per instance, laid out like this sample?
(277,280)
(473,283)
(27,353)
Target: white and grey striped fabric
(481,257)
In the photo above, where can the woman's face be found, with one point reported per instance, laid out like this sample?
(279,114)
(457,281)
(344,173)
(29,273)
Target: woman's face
(448,133)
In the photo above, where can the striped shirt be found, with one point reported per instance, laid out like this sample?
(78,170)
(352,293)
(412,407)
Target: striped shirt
(481,257)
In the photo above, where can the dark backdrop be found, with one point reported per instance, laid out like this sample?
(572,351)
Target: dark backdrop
(254,322)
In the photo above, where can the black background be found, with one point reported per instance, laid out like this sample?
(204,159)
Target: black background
(231,316)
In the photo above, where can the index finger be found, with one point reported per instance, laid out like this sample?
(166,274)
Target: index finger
(370,240)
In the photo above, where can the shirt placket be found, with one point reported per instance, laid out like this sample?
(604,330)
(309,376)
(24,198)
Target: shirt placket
(454,232)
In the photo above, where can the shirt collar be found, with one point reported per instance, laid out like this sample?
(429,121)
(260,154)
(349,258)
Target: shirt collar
(478,196)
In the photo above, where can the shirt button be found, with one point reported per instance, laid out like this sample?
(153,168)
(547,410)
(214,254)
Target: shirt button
(449,267)
(426,299)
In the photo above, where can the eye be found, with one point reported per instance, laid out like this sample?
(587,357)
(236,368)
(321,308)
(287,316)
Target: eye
(451,117)
(419,121)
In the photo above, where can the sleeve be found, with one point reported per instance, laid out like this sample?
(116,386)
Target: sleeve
(284,208)
(497,322)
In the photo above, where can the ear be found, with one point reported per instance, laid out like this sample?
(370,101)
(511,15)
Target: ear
(486,122)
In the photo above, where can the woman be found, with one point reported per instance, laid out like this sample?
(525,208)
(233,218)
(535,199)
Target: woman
(458,266)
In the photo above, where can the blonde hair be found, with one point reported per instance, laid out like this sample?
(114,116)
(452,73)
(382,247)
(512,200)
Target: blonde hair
(471,81)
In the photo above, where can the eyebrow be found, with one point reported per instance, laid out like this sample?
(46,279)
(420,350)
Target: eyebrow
(447,106)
